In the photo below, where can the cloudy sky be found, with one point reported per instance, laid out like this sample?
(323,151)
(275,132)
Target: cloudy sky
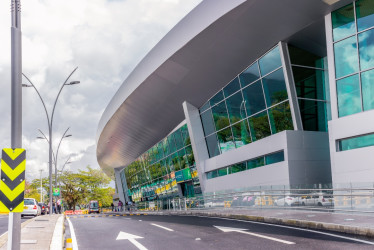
(105,39)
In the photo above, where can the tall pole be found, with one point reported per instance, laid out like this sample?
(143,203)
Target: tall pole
(14,225)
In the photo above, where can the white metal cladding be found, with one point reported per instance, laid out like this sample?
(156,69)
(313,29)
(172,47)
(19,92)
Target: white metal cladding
(201,54)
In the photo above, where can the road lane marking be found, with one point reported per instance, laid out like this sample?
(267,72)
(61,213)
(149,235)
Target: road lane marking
(171,230)
(132,238)
(295,228)
(243,231)
(72,232)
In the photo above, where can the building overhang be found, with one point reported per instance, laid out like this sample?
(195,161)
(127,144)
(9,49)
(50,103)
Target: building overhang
(201,54)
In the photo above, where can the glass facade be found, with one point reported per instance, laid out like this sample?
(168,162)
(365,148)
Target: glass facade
(252,106)
(247,165)
(353,32)
(312,88)
(158,171)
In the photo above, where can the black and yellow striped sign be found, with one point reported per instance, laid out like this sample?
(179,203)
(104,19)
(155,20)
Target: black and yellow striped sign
(12,183)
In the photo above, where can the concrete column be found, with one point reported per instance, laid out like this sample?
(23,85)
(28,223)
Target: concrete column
(122,195)
(199,147)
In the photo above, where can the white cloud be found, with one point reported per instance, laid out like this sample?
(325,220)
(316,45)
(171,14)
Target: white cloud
(105,39)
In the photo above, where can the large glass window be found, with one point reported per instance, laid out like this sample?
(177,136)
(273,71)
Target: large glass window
(275,88)
(367,79)
(220,116)
(354,92)
(274,158)
(235,106)
(365,14)
(366,48)
(270,61)
(343,22)
(238,168)
(310,83)
(313,114)
(225,139)
(254,98)
(240,115)
(346,61)
(349,99)
(241,134)
(259,125)
(250,75)
(280,117)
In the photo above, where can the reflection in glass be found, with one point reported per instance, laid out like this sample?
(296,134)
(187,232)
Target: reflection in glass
(240,131)
(207,121)
(216,99)
(346,61)
(238,168)
(305,58)
(367,81)
(365,14)
(310,83)
(274,158)
(270,61)
(222,171)
(275,88)
(251,74)
(220,116)
(356,142)
(255,163)
(366,48)
(232,87)
(190,155)
(225,140)
(254,98)
(235,106)
(313,115)
(204,107)
(259,125)
(213,147)
(176,163)
(171,143)
(178,139)
(349,101)
(343,24)
(280,118)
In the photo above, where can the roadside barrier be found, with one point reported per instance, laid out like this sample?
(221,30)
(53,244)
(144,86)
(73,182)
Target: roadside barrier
(69,244)
(69,212)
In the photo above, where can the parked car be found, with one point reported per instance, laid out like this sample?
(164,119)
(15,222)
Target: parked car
(288,200)
(43,207)
(318,199)
(241,201)
(31,207)
(93,207)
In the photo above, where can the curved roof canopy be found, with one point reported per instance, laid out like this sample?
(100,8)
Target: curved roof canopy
(201,54)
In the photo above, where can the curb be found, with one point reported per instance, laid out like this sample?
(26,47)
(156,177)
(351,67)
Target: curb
(57,241)
(4,237)
(362,231)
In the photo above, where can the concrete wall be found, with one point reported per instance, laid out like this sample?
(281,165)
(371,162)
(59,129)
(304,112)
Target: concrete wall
(307,161)
(354,165)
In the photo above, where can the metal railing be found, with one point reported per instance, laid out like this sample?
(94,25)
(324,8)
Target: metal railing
(339,199)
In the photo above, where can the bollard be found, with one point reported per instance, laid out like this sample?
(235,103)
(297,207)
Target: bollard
(69,244)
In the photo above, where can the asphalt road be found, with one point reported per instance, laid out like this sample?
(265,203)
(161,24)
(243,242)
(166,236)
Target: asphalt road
(4,222)
(189,232)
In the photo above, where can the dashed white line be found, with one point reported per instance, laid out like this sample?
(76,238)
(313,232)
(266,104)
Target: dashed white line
(168,229)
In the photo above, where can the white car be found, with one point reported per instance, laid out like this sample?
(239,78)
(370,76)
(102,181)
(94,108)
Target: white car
(31,207)
(288,200)
(318,199)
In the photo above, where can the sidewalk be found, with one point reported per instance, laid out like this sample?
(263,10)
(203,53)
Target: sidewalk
(42,232)
(351,223)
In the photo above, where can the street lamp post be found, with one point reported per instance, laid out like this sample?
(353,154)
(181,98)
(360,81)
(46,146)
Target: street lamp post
(50,125)
(55,156)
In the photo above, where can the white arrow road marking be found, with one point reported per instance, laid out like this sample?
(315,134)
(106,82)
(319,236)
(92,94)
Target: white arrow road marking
(243,231)
(132,238)
(169,229)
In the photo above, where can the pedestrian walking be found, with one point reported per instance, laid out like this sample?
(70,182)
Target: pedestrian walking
(112,205)
(120,204)
(59,206)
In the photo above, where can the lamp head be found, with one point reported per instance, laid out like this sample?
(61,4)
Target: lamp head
(26,85)
(73,83)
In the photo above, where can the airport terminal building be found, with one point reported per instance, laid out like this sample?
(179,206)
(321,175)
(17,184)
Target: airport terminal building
(247,93)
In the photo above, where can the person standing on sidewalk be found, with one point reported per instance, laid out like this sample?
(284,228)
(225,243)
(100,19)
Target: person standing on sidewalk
(59,206)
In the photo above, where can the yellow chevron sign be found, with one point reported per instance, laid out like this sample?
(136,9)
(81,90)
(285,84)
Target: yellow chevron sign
(12,183)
